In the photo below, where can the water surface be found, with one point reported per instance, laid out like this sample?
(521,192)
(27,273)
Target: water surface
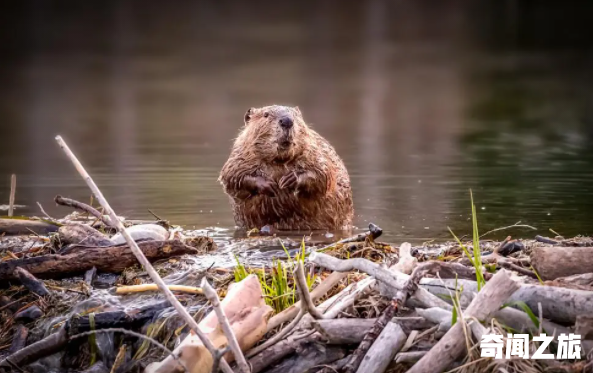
(422,100)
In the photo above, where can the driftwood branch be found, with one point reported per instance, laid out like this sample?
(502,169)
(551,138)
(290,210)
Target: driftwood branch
(84,207)
(451,346)
(141,258)
(394,279)
(211,295)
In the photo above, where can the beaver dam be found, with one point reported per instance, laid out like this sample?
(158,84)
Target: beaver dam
(95,292)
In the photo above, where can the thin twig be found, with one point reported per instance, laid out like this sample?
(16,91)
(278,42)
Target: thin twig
(141,258)
(155,215)
(223,320)
(12,193)
(46,214)
(516,225)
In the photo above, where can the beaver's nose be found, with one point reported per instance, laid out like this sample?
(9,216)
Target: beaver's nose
(285,122)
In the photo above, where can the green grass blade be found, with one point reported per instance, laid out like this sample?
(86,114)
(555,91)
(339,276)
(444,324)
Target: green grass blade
(476,241)
(525,308)
(93,339)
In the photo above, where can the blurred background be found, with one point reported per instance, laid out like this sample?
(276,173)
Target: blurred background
(422,99)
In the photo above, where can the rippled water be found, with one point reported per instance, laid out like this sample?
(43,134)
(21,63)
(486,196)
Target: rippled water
(422,100)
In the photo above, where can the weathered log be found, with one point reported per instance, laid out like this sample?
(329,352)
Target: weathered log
(308,356)
(30,282)
(82,234)
(389,342)
(113,259)
(554,262)
(19,338)
(558,304)
(15,227)
(451,346)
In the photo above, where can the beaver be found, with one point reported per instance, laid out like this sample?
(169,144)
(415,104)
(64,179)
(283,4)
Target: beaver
(283,174)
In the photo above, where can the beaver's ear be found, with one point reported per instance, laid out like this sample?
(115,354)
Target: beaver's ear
(248,114)
(298,110)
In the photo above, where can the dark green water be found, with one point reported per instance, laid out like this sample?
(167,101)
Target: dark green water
(423,100)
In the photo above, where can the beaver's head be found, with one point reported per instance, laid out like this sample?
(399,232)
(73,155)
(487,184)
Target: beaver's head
(277,133)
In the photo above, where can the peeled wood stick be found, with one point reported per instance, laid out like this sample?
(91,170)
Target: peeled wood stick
(12,193)
(211,295)
(452,345)
(152,287)
(394,279)
(141,258)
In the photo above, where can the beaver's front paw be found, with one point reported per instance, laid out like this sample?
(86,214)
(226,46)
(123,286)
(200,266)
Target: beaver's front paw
(289,181)
(266,187)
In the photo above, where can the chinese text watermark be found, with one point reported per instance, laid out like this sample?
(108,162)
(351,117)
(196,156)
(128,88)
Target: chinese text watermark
(517,345)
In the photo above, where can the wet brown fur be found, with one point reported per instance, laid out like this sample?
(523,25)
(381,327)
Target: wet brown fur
(291,179)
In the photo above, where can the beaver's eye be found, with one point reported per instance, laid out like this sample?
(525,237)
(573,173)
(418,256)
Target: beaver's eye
(266,114)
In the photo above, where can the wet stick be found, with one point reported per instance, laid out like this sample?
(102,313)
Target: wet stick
(12,193)
(141,258)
